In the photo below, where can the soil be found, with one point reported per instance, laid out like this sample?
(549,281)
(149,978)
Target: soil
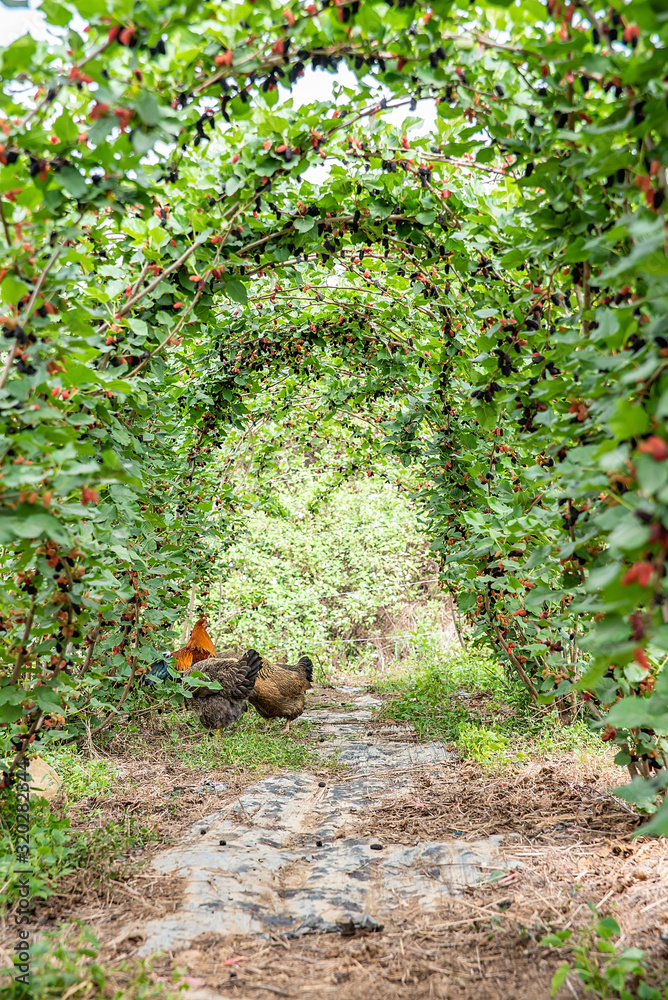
(406,873)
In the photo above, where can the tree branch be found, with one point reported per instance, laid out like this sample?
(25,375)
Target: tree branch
(526,680)
(20,659)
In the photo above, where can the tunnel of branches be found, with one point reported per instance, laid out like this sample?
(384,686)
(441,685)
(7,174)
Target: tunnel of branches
(454,248)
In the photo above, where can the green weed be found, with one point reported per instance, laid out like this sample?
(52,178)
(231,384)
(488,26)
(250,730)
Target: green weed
(485,745)
(603,967)
(58,851)
(62,966)
(80,776)
(466,698)
(552,737)
(251,745)
(432,694)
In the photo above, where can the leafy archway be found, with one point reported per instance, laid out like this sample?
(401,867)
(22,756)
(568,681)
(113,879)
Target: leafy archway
(187,245)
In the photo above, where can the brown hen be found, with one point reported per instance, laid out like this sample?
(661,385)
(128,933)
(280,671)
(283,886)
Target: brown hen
(279,691)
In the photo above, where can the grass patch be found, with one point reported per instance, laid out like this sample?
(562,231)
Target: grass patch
(466,698)
(80,776)
(433,691)
(58,851)
(65,963)
(250,745)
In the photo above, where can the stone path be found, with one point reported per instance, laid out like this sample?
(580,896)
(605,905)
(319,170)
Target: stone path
(284,860)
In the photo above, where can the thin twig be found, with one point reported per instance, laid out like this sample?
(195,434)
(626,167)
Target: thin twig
(511,656)
(94,636)
(20,658)
(34,729)
(5,226)
(52,93)
(105,722)
(29,308)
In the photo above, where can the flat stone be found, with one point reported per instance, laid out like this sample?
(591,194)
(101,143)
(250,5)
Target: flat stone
(367,701)
(266,880)
(324,716)
(209,787)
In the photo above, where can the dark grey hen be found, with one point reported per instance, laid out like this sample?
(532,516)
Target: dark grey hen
(236,675)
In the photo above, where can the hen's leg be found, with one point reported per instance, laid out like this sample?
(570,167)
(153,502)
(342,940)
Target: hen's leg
(287,726)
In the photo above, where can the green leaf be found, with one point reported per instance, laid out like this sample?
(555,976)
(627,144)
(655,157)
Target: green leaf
(591,677)
(12,290)
(608,927)
(652,475)
(304,223)
(630,713)
(46,698)
(629,420)
(73,182)
(642,792)
(232,185)
(34,525)
(10,713)
(513,257)
(19,55)
(142,142)
(629,535)
(236,290)
(100,129)
(11,702)
(657,826)
(148,109)
(56,13)
(559,977)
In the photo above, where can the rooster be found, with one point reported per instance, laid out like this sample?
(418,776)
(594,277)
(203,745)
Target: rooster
(279,691)
(198,647)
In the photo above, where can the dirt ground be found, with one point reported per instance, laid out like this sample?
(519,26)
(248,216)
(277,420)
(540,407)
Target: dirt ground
(574,845)
(571,838)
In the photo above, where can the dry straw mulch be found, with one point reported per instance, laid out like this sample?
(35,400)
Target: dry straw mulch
(572,841)
(573,845)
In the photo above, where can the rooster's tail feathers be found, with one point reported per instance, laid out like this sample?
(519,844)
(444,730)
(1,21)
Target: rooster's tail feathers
(254,661)
(305,663)
(159,669)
